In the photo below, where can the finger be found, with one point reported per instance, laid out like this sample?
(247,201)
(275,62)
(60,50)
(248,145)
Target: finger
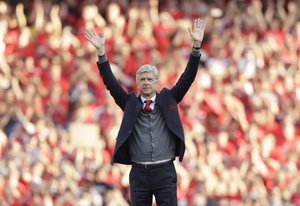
(190,32)
(199,22)
(87,34)
(94,32)
(195,23)
(87,37)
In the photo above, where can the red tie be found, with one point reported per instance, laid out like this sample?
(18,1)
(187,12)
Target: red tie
(147,108)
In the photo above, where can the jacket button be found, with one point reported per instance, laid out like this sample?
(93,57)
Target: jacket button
(129,131)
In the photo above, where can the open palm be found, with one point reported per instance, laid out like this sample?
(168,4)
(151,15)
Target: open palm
(197,33)
(97,40)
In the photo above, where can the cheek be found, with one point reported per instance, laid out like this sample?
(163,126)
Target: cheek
(155,86)
(139,86)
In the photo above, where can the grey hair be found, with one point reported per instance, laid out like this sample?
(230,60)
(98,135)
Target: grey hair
(147,68)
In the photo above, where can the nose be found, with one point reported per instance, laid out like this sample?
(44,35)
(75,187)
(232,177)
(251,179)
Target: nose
(145,81)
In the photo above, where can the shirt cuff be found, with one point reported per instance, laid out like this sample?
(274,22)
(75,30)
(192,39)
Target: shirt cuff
(102,58)
(196,52)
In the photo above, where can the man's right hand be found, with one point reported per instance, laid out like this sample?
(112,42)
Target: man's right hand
(97,40)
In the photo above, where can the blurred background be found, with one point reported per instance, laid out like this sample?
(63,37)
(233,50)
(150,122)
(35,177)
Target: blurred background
(241,117)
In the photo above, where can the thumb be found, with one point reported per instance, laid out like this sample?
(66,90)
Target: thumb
(190,32)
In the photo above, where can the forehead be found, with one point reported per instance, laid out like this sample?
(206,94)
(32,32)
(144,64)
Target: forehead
(146,75)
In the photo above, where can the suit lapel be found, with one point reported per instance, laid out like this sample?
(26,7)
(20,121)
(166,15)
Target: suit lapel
(138,105)
(157,100)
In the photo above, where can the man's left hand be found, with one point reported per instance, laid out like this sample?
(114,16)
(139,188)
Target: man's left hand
(198,32)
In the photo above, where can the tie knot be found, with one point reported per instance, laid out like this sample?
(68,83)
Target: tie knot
(148,102)
(147,107)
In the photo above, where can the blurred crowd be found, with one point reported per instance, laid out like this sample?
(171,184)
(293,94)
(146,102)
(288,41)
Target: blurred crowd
(241,116)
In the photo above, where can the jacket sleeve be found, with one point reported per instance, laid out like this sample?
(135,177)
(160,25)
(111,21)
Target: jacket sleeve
(187,77)
(113,86)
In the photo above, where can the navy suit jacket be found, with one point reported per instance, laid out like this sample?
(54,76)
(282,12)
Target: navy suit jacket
(131,104)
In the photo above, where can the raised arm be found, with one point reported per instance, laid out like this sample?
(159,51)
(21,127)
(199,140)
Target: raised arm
(187,77)
(110,81)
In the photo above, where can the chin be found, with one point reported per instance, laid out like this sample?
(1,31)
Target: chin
(147,94)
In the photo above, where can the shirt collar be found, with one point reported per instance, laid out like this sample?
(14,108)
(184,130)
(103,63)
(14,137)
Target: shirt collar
(153,98)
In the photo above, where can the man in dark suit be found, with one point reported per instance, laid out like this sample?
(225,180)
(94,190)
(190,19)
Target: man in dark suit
(151,133)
